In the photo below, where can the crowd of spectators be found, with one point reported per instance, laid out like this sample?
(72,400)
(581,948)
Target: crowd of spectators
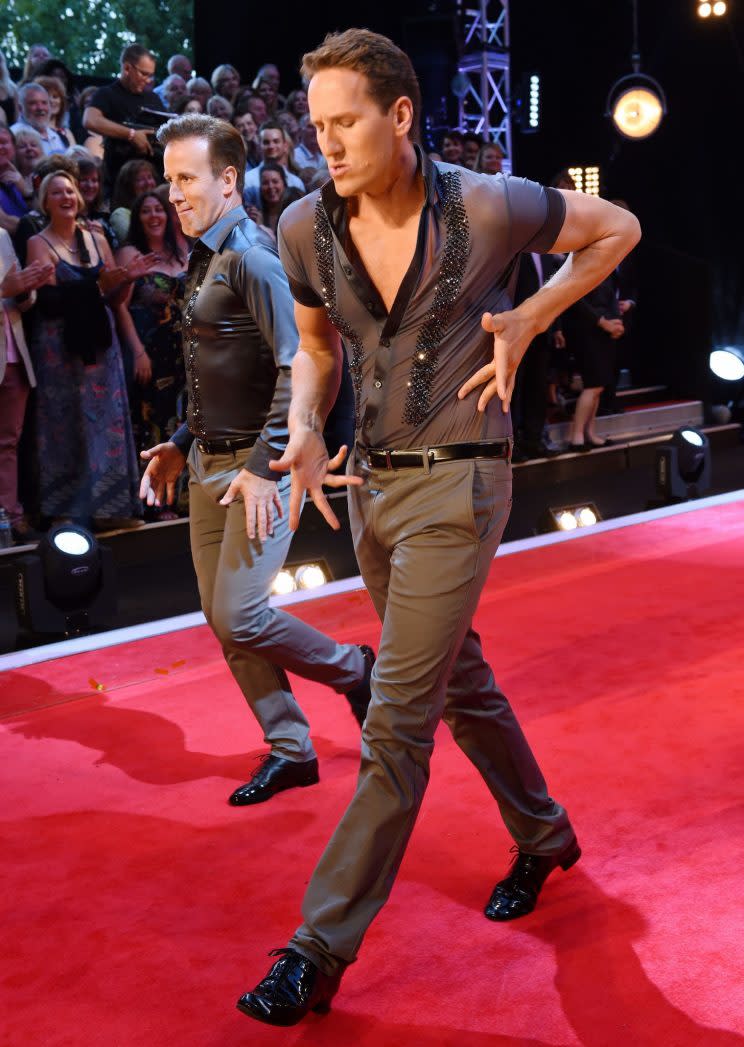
(93,262)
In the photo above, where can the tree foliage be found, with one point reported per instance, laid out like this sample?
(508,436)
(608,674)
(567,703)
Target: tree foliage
(88,35)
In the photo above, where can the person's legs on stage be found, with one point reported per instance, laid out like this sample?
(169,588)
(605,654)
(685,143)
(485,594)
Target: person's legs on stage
(261,643)
(409,556)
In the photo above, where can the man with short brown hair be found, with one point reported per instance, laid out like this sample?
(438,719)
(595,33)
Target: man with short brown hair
(239,339)
(275,145)
(408,264)
(115,109)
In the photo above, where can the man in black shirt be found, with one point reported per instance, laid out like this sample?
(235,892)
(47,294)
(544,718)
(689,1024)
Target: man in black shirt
(116,106)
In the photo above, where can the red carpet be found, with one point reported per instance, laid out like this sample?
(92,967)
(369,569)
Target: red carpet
(137,906)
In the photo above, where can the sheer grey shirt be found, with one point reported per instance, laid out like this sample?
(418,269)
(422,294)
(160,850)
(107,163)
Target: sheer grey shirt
(407,365)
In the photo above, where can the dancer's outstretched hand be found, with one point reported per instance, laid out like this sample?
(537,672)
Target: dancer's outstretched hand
(307,459)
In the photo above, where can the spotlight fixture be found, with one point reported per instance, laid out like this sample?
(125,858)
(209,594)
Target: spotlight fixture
(67,585)
(586,179)
(569,517)
(683,466)
(283,583)
(310,576)
(727,384)
(727,363)
(636,103)
(300,576)
(717,9)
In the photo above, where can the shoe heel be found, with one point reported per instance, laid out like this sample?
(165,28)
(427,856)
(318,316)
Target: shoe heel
(571,858)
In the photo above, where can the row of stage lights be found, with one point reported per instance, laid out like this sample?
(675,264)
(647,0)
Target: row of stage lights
(68,585)
(717,9)
(682,471)
(586,179)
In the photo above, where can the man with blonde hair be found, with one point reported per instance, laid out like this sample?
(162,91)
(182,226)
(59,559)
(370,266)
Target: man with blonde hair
(408,264)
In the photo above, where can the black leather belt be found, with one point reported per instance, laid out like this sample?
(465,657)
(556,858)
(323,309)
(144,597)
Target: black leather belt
(417,457)
(225,446)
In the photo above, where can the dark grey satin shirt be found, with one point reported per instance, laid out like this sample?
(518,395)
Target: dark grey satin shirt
(408,364)
(239,340)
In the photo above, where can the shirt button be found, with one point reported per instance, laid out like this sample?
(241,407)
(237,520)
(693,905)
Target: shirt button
(370,305)
(378,384)
(347,270)
(385,342)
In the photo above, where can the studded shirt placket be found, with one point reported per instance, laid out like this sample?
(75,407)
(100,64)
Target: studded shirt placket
(192,343)
(323,242)
(446,291)
(447,288)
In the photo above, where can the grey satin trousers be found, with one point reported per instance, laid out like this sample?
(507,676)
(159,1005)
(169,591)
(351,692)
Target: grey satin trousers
(259,642)
(425,541)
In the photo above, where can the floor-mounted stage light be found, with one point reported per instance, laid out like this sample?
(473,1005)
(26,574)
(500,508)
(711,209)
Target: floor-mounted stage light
(717,9)
(569,517)
(67,585)
(727,363)
(727,384)
(284,583)
(636,103)
(301,576)
(310,576)
(683,466)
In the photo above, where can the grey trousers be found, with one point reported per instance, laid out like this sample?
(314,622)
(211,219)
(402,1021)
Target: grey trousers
(425,541)
(259,642)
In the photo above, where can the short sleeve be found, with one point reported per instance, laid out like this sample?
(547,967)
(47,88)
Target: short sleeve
(536,215)
(299,282)
(102,99)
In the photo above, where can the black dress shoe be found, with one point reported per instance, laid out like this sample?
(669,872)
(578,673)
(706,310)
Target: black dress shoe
(293,986)
(517,894)
(358,697)
(578,448)
(273,776)
(601,443)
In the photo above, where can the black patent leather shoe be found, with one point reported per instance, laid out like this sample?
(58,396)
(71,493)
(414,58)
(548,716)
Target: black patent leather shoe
(293,987)
(273,776)
(358,697)
(517,894)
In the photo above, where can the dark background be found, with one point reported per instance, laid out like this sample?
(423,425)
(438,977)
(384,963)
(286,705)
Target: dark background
(683,182)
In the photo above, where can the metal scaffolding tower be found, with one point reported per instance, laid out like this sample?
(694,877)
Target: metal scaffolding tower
(484,105)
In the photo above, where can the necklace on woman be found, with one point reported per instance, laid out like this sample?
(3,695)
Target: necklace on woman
(72,250)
